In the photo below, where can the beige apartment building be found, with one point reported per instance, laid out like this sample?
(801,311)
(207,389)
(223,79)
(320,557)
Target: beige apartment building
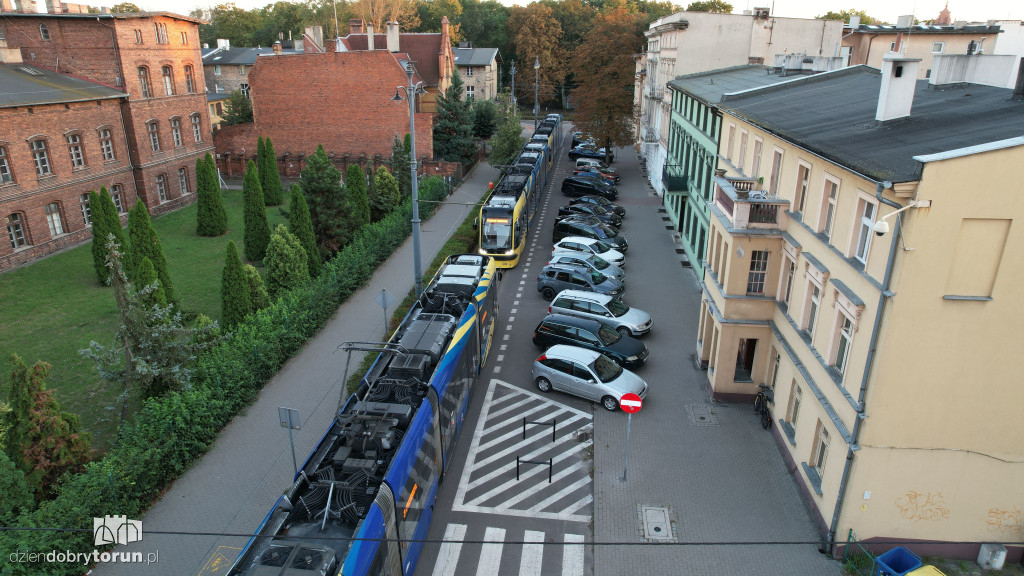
(478,68)
(870,277)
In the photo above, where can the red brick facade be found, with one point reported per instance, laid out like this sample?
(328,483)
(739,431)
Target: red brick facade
(161,129)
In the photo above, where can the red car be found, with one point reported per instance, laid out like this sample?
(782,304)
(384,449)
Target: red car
(614,177)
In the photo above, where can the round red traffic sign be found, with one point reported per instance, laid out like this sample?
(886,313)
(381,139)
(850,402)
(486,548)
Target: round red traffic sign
(630,403)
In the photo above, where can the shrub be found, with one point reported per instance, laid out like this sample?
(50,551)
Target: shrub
(146,244)
(257,230)
(286,262)
(236,302)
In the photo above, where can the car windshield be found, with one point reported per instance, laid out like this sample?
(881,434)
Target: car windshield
(597,277)
(600,200)
(608,335)
(606,232)
(600,247)
(600,263)
(617,307)
(605,369)
(599,210)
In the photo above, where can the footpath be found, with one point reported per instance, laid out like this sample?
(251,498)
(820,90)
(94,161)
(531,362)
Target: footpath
(233,487)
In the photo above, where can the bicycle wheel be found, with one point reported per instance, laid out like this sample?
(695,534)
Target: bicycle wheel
(759,402)
(766,419)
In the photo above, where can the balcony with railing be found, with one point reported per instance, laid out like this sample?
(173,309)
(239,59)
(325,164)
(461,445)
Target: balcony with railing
(673,176)
(746,206)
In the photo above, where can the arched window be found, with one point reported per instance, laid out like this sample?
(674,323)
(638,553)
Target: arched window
(6,175)
(197,131)
(44,33)
(16,231)
(168,75)
(53,219)
(154,135)
(144,81)
(190,83)
(41,156)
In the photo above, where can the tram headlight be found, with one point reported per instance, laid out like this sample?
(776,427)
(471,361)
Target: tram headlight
(509,252)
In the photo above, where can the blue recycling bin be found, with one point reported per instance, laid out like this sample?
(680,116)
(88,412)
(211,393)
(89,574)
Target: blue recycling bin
(897,562)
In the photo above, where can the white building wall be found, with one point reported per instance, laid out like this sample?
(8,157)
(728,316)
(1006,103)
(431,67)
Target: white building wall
(1011,41)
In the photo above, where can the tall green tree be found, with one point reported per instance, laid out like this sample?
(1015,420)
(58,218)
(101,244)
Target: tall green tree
(258,296)
(237,109)
(485,119)
(257,230)
(51,442)
(386,195)
(486,24)
(211,217)
(719,6)
(536,33)
(286,262)
(844,15)
(606,74)
(270,175)
(147,277)
(124,7)
(399,163)
(261,149)
(321,185)
(358,204)
(236,302)
(230,22)
(301,225)
(144,243)
(99,220)
(17,498)
(508,141)
(453,124)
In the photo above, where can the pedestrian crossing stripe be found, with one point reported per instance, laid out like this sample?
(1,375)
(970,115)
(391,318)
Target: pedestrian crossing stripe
(489,483)
(491,552)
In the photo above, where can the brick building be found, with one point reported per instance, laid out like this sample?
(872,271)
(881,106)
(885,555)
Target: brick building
(139,76)
(479,68)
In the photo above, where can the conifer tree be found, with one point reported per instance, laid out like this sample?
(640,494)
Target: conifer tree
(17,498)
(211,219)
(219,216)
(147,277)
(453,126)
(234,289)
(386,195)
(270,176)
(260,157)
(145,243)
(286,262)
(300,224)
(321,185)
(257,230)
(358,204)
(258,296)
(113,226)
(99,221)
(399,164)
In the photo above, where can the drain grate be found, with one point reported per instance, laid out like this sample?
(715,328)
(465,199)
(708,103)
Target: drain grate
(656,524)
(701,415)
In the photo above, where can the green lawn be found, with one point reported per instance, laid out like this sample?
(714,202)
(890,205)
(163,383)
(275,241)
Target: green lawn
(54,307)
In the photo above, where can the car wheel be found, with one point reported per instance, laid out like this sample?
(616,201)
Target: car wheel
(623,331)
(543,385)
(547,294)
(610,404)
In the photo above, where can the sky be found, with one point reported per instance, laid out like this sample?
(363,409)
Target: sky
(886,10)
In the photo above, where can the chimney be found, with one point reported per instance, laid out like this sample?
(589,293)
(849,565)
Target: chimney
(899,78)
(369,37)
(277,47)
(444,29)
(313,40)
(393,37)
(9,55)
(854,22)
(224,43)
(355,26)
(1018,90)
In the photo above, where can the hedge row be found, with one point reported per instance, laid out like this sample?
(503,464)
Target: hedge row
(172,431)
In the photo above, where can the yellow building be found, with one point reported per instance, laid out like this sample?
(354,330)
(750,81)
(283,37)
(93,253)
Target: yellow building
(867,276)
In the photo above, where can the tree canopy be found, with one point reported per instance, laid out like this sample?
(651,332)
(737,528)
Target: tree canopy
(844,16)
(719,6)
(237,109)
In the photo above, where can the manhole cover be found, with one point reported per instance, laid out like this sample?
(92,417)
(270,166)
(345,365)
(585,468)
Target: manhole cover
(701,415)
(656,523)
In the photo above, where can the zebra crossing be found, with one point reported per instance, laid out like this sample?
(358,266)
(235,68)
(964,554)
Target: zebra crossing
(492,558)
(554,484)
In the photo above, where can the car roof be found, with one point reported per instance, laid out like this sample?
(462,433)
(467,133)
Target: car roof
(575,353)
(576,321)
(578,240)
(583,295)
(589,256)
(568,267)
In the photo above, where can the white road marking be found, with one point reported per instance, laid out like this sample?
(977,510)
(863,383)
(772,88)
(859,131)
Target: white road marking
(514,310)
(490,554)
(515,303)
(448,556)
(560,494)
(501,357)
(533,554)
(511,318)
(572,555)
(497,369)
(504,347)
(508,327)
(506,337)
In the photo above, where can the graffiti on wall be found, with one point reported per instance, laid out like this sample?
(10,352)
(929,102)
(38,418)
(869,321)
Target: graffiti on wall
(1006,521)
(916,505)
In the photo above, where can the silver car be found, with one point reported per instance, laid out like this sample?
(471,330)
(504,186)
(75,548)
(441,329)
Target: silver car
(592,261)
(590,246)
(604,308)
(586,374)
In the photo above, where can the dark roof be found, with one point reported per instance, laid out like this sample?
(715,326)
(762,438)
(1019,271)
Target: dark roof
(215,96)
(240,56)
(207,51)
(423,48)
(924,29)
(833,115)
(711,86)
(112,16)
(25,85)
(474,56)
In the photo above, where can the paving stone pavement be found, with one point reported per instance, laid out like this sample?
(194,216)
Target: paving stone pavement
(719,473)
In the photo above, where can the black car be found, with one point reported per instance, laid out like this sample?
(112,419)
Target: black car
(583,186)
(602,202)
(576,227)
(626,351)
(605,216)
(578,138)
(584,151)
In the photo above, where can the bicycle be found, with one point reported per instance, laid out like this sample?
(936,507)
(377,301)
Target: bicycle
(761,401)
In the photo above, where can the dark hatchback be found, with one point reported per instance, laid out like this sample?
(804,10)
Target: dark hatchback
(584,186)
(626,351)
(588,151)
(602,202)
(576,227)
(605,216)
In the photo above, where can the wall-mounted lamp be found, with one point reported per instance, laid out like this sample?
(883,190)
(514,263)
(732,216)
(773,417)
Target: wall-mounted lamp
(881,228)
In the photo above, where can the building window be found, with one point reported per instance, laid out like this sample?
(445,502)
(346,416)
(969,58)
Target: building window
(216,69)
(53,219)
(938,47)
(83,202)
(138,36)
(116,195)
(197,133)
(773,185)
(728,148)
(795,397)
(75,150)
(242,71)
(154,136)
(41,157)
(776,361)
(161,187)
(867,220)
(168,75)
(812,309)
(176,132)
(469,71)
(787,281)
(161,33)
(184,38)
(183,180)
(107,144)
(144,81)
(470,92)
(16,231)
(803,175)
(44,32)
(743,150)
(755,163)
(758,271)
(819,453)
(244,89)
(5,167)
(190,83)
(746,352)
(843,342)
(828,207)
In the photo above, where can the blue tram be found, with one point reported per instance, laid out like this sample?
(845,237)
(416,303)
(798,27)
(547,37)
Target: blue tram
(363,501)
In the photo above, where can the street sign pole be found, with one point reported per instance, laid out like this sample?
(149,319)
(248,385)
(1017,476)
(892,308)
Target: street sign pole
(629,420)
(385,299)
(629,403)
(289,418)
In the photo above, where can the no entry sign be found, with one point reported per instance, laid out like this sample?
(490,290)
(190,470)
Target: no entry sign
(630,403)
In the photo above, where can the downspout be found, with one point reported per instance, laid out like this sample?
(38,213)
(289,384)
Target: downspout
(883,297)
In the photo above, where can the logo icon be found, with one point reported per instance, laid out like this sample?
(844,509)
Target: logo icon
(116,530)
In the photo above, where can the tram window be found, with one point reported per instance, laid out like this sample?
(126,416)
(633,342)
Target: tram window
(497,233)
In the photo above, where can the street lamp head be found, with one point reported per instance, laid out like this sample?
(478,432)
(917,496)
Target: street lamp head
(536,63)
(397,97)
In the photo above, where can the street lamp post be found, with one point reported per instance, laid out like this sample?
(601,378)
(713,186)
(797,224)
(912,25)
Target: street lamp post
(410,93)
(536,90)
(513,73)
